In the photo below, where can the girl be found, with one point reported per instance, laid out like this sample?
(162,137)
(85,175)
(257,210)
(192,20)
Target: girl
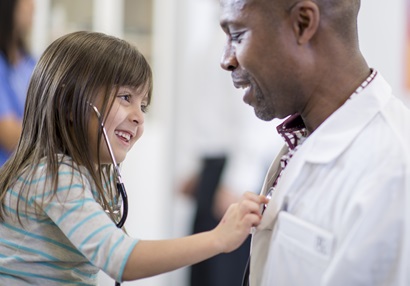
(57,189)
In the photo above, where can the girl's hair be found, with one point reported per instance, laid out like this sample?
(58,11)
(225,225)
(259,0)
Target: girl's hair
(70,74)
(7,28)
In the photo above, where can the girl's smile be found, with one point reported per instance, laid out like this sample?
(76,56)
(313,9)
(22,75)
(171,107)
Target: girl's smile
(124,135)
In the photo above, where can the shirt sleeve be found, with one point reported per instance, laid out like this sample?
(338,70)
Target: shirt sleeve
(81,218)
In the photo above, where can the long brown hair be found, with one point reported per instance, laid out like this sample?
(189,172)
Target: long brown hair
(69,75)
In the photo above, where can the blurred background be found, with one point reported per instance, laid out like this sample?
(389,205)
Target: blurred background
(183,43)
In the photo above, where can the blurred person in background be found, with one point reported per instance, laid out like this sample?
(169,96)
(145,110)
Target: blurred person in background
(16,66)
(231,148)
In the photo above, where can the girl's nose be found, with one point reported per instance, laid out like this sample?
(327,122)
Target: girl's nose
(228,60)
(137,115)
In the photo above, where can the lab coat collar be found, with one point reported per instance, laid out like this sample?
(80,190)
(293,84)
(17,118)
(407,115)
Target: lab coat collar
(337,132)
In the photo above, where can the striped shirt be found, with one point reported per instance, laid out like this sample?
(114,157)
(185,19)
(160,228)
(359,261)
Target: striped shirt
(67,240)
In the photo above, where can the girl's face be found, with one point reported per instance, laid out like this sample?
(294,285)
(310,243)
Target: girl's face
(124,124)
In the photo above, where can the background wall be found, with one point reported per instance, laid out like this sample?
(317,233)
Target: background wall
(156,210)
(382,34)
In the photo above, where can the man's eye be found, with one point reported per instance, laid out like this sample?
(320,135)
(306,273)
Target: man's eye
(125,97)
(236,37)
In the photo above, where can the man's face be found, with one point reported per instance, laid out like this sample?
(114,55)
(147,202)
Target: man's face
(260,54)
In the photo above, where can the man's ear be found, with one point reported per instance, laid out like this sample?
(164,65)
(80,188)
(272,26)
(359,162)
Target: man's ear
(305,17)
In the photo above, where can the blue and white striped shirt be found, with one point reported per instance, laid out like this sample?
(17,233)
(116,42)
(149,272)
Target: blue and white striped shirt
(66,240)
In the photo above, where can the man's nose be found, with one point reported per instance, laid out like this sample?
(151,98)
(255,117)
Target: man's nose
(228,60)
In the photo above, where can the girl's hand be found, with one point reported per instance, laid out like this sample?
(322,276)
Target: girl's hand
(150,258)
(238,220)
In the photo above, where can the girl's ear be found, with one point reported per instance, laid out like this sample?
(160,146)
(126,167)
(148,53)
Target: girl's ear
(305,17)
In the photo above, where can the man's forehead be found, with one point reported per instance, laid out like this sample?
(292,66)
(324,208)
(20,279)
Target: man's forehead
(240,5)
(232,10)
(237,4)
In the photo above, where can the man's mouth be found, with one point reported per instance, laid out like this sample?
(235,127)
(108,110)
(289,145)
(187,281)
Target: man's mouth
(246,86)
(242,85)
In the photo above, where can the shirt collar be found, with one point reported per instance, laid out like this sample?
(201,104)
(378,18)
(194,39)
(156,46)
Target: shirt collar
(293,131)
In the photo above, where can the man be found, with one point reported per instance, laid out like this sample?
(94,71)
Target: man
(337,215)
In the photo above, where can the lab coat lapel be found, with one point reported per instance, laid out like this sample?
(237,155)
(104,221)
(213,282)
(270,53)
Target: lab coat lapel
(276,203)
(273,171)
(264,231)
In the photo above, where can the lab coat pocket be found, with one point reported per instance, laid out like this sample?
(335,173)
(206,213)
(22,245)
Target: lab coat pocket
(301,252)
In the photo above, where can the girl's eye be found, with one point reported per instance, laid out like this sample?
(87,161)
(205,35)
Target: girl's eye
(144,108)
(125,97)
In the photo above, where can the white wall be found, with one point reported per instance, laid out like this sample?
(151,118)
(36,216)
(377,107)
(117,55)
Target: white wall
(382,32)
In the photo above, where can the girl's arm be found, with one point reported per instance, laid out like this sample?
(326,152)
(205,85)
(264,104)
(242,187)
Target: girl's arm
(150,258)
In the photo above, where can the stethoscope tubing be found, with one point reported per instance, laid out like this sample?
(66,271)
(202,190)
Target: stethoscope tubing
(120,185)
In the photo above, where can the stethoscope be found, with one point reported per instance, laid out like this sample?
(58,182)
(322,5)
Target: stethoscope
(120,185)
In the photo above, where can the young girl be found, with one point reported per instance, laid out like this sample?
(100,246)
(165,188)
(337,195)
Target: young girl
(58,196)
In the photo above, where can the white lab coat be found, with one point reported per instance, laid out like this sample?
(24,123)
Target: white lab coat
(337,216)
